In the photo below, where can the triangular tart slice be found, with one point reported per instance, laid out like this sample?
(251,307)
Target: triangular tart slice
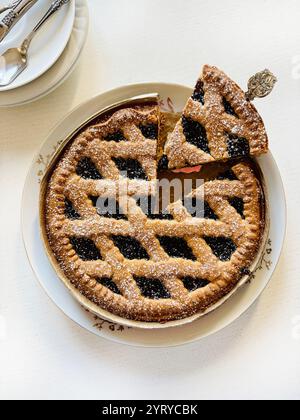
(218,123)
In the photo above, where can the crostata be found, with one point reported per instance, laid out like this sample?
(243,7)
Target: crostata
(163,264)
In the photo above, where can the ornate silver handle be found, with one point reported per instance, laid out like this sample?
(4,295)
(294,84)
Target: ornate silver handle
(55,6)
(18,9)
(16,13)
(261,85)
(9,6)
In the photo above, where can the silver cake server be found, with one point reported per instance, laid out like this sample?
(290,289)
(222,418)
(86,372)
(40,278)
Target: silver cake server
(16,13)
(14,61)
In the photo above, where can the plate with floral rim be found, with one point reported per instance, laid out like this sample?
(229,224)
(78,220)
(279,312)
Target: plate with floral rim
(173,98)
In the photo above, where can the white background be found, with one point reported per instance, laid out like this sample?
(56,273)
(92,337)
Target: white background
(45,355)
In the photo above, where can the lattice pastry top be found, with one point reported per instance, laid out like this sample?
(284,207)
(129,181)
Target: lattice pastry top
(147,267)
(218,123)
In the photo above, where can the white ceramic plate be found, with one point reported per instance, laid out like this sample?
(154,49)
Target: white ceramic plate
(173,98)
(47,45)
(60,71)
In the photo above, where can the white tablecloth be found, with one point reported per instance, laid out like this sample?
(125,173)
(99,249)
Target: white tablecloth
(45,355)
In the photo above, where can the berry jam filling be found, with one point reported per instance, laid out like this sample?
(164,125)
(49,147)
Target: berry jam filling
(149,131)
(163,163)
(85,249)
(237,146)
(198,94)
(195,134)
(230,175)
(70,212)
(117,137)
(176,247)
(87,169)
(130,248)
(108,207)
(197,208)
(238,204)
(107,282)
(132,168)
(222,247)
(228,108)
(192,284)
(147,205)
(152,288)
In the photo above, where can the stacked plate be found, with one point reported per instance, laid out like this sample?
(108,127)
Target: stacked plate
(53,53)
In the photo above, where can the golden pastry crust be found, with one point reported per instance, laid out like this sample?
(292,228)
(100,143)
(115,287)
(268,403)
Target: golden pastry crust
(168,121)
(224,130)
(220,276)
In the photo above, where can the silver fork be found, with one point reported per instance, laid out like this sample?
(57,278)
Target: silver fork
(15,60)
(11,5)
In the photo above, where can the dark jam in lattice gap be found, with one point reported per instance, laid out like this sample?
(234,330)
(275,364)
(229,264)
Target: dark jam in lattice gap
(238,146)
(86,249)
(117,136)
(70,211)
(150,131)
(163,163)
(131,167)
(86,168)
(176,247)
(199,93)
(222,247)
(130,248)
(195,134)
(109,284)
(238,204)
(192,283)
(228,108)
(152,288)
